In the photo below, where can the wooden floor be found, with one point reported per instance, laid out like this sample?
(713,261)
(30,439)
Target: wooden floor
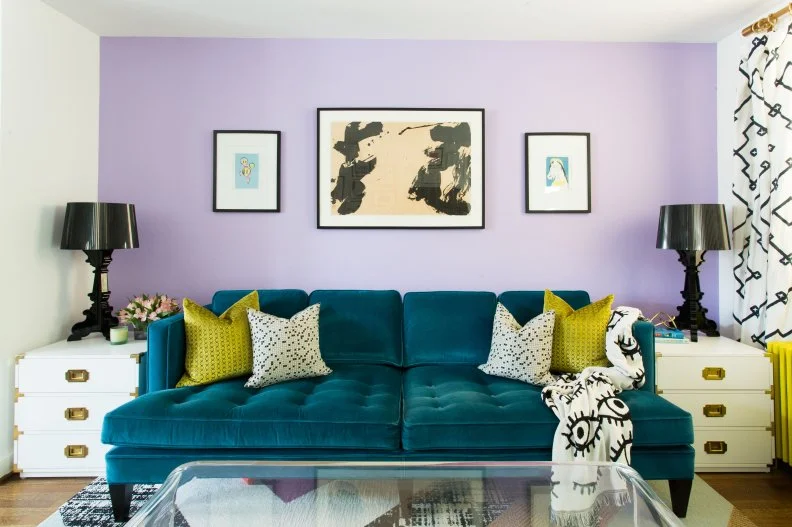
(29,501)
(764,498)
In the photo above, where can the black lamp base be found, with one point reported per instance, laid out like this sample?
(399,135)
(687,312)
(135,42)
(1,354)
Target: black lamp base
(692,315)
(99,318)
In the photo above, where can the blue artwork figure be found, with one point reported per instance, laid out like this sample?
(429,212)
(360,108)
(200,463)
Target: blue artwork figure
(557,177)
(246,171)
(247,168)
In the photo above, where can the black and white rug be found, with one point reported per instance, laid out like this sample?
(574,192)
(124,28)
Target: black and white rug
(332,503)
(464,503)
(91,506)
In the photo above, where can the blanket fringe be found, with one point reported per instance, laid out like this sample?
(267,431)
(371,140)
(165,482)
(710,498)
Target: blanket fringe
(590,517)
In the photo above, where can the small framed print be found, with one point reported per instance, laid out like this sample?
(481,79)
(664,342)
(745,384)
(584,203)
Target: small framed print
(557,172)
(400,168)
(246,171)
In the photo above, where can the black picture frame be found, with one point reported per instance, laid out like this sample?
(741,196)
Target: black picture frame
(271,202)
(531,182)
(323,178)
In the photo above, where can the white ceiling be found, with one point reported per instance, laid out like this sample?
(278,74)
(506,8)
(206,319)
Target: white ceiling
(578,20)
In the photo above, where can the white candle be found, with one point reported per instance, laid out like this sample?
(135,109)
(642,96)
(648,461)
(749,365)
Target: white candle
(119,335)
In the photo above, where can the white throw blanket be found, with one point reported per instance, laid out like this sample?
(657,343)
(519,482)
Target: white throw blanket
(594,425)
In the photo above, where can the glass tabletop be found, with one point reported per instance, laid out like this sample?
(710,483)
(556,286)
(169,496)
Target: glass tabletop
(403,494)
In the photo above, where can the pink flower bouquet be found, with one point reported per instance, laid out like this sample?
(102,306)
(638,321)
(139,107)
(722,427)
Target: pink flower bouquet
(145,309)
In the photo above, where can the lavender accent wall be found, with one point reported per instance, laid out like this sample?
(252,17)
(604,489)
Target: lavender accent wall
(650,109)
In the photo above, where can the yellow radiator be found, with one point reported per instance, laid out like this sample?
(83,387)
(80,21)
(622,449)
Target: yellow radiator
(782,381)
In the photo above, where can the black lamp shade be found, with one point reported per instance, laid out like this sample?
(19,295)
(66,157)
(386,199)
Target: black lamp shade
(693,228)
(99,226)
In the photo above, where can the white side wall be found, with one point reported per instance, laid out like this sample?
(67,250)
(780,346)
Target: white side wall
(49,117)
(730,51)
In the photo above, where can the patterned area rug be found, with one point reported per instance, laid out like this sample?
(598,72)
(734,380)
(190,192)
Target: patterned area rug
(464,503)
(91,506)
(706,506)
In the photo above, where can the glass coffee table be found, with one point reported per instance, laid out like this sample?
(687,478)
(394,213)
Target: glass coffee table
(403,494)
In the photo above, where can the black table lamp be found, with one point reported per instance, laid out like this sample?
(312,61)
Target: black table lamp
(98,229)
(689,229)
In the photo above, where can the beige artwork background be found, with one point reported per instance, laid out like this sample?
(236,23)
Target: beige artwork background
(399,158)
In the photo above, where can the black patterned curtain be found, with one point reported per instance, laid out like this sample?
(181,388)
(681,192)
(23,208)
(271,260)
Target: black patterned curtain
(762,185)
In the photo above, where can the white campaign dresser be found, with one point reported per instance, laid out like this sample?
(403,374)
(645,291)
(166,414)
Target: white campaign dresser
(63,392)
(727,388)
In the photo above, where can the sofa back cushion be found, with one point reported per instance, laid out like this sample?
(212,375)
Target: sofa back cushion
(359,327)
(448,327)
(284,303)
(525,305)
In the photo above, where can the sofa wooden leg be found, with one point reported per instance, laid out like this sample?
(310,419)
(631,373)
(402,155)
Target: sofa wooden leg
(121,499)
(680,495)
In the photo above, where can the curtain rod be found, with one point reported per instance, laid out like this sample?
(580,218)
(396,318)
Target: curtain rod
(767,23)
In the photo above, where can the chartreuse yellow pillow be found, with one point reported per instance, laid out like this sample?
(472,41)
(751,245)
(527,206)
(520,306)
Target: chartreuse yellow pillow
(579,336)
(218,347)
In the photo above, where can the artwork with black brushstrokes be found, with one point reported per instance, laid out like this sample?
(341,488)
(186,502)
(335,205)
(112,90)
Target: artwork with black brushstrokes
(398,168)
(349,189)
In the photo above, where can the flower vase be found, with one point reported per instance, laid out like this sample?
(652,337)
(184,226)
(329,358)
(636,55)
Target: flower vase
(142,333)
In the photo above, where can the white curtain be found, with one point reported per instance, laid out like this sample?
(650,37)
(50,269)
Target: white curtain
(762,188)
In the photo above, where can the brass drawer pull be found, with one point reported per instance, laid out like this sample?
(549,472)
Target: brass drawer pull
(74,451)
(77,376)
(715,447)
(714,410)
(76,414)
(713,374)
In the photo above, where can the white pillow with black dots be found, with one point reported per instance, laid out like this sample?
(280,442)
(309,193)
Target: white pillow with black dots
(519,352)
(285,348)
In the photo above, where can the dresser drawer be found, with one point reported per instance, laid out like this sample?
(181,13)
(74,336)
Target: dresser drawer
(713,373)
(725,409)
(69,412)
(46,452)
(72,375)
(742,447)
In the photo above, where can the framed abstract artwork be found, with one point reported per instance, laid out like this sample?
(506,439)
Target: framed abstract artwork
(557,172)
(390,168)
(246,171)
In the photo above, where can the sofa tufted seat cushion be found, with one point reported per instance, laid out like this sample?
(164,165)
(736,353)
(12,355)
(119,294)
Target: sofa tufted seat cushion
(356,406)
(460,407)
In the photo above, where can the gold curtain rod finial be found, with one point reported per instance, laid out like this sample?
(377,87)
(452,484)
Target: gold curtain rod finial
(767,23)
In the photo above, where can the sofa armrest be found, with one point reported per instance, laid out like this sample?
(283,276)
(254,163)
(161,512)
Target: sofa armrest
(166,352)
(643,331)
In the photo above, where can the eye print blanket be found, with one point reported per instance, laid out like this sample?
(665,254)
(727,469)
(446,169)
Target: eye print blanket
(595,426)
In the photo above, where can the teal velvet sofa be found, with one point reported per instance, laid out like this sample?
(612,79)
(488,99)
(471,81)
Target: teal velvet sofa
(405,386)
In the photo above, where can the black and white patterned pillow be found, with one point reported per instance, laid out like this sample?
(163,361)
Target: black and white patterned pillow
(521,353)
(285,349)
